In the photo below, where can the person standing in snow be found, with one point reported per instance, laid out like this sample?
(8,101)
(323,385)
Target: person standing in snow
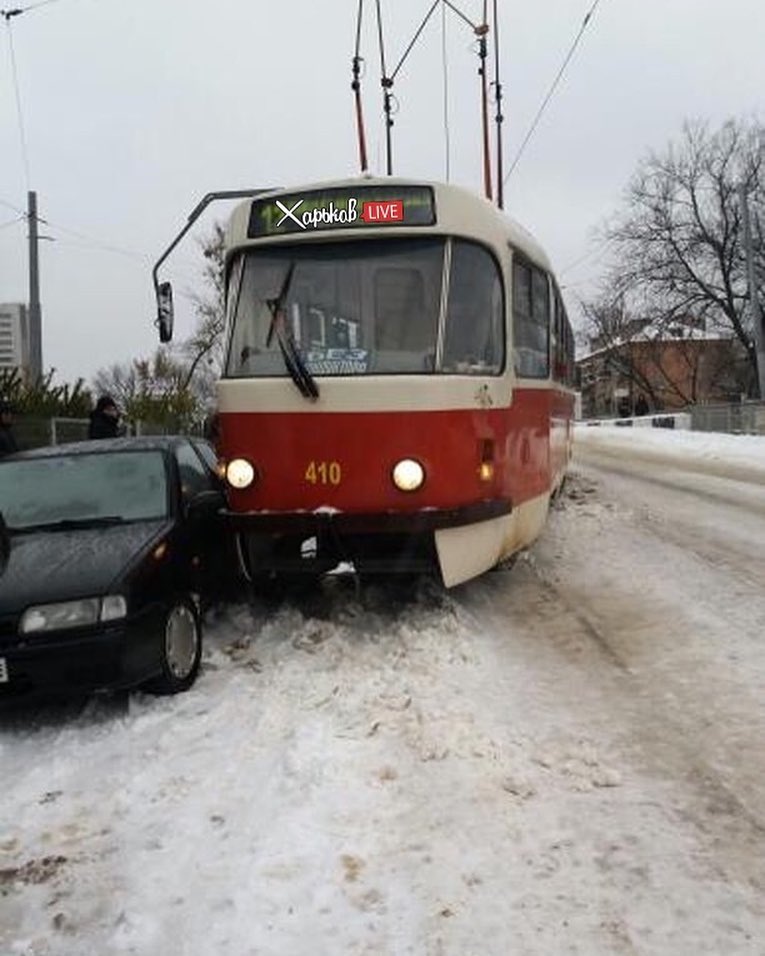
(8,444)
(104,419)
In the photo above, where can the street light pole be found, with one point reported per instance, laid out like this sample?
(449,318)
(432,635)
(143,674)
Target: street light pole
(35,310)
(754,299)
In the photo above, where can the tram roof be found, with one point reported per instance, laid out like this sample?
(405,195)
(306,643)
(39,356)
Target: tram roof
(459,211)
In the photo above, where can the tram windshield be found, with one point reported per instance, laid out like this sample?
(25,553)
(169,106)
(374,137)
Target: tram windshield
(367,308)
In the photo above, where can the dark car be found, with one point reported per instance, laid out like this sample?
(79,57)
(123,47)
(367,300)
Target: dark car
(108,551)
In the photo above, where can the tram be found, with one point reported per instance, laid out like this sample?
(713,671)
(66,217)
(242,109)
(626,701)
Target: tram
(398,387)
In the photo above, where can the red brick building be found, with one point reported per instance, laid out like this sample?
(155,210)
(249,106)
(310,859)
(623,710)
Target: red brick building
(669,372)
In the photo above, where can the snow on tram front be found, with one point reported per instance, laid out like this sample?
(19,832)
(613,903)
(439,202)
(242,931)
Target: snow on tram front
(398,383)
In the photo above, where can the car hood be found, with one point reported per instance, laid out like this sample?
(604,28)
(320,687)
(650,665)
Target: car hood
(48,566)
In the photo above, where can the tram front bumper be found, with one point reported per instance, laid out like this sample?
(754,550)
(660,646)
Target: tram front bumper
(382,542)
(380,522)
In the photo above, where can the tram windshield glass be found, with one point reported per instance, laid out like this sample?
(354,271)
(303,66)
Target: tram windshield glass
(367,308)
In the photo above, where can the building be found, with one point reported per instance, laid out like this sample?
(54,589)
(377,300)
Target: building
(646,369)
(14,337)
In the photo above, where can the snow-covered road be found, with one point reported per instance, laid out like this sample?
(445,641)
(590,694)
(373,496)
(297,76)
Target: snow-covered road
(565,757)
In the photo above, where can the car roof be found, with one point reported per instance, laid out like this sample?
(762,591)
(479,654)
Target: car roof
(104,445)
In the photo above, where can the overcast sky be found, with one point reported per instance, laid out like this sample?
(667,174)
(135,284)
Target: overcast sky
(133,109)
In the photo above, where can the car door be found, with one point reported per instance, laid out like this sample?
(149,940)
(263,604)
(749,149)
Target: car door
(201,501)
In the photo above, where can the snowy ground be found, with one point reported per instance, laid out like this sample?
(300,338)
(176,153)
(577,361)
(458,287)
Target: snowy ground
(565,757)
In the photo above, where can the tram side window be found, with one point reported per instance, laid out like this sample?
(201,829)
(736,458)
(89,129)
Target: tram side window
(570,354)
(531,321)
(474,340)
(556,340)
(559,342)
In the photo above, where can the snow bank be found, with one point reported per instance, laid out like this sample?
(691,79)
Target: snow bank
(730,456)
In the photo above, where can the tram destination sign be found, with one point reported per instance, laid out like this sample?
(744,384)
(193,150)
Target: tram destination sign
(353,208)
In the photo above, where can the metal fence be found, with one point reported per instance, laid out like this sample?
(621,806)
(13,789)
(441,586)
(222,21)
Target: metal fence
(743,418)
(35,432)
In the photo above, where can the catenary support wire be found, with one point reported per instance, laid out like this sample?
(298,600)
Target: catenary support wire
(553,87)
(387,79)
(19,112)
(415,38)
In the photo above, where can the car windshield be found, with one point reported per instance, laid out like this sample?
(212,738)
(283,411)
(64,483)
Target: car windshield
(114,486)
(366,307)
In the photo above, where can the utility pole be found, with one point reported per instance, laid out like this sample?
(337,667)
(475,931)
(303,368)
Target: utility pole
(754,299)
(35,312)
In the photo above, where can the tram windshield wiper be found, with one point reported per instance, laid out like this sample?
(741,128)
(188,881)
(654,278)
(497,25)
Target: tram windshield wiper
(276,305)
(293,360)
(297,368)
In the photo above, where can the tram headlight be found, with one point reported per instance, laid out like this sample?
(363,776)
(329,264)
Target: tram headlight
(408,475)
(240,473)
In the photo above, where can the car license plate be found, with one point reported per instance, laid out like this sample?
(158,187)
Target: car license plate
(3,671)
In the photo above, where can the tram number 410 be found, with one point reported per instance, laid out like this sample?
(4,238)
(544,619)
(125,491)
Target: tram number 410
(324,473)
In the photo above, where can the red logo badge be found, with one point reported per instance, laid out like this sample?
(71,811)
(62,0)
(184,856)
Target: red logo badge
(382,211)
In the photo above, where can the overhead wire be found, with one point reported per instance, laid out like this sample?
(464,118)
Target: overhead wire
(553,87)
(30,6)
(96,243)
(10,205)
(19,111)
(473,26)
(387,80)
(445,69)
(592,254)
(414,39)
(8,15)
(380,39)
(88,243)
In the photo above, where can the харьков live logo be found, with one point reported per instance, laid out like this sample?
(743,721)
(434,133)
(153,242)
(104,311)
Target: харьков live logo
(374,212)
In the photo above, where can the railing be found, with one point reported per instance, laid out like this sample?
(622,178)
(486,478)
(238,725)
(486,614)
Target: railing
(680,420)
(743,418)
(36,432)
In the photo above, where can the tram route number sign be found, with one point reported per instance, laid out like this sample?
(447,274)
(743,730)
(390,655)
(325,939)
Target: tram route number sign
(342,209)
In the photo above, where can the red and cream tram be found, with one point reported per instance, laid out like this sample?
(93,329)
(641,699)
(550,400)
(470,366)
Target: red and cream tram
(398,382)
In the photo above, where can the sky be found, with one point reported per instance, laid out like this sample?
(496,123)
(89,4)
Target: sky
(134,109)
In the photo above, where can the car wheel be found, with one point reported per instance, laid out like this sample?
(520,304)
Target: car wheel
(180,649)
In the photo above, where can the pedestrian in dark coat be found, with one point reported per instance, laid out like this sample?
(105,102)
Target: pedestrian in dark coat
(104,419)
(8,443)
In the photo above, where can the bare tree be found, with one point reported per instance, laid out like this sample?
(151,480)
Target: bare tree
(176,386)
(677,245)
(610,328)
(151,390)
(203,351)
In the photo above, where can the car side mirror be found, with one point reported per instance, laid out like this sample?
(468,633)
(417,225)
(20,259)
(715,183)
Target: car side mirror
(165,313)
(205,503)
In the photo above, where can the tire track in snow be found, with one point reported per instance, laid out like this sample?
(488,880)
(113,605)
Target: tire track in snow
(665,709)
